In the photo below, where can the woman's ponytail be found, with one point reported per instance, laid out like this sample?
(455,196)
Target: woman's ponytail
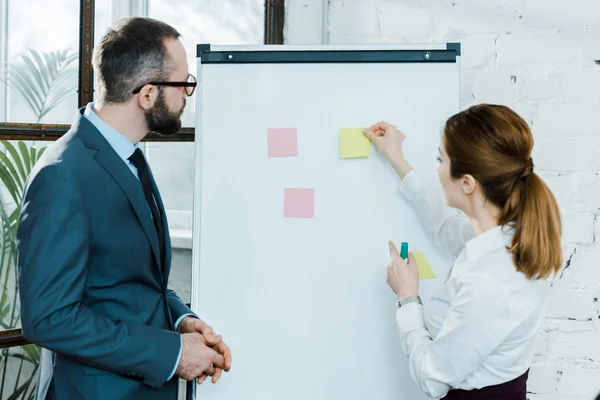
(536,246)
(493,144)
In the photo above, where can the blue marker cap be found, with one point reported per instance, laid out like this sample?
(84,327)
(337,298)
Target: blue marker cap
(404,250)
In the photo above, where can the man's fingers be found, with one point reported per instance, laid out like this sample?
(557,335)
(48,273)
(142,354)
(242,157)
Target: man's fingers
(202,379)
(212,339)
(207,332)
(201,326)
(217,375)
(227,358)
(218,361)
(210,371)
(225,351)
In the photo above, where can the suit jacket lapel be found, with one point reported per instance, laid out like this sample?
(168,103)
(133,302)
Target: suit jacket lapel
(117,169)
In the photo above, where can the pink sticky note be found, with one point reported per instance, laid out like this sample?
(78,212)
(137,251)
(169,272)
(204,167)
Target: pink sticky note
(282,142)
(299,203)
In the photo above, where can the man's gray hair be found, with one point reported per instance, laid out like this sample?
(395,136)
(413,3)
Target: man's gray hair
(131,55)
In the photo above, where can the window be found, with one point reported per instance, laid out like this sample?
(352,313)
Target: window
(213,22)
(42,62)
(199,22)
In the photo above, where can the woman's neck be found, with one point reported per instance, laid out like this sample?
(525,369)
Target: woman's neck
(484,219)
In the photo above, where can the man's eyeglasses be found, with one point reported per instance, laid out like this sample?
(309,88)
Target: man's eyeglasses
(190,85)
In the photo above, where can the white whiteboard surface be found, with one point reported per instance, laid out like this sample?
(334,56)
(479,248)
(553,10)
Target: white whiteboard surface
(303,303)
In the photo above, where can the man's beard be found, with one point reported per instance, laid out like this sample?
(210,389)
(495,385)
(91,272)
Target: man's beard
(161,120)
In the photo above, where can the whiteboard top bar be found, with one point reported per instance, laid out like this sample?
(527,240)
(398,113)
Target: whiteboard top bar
(446,53)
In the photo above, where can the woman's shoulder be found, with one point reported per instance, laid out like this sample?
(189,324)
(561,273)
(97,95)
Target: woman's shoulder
(496,276)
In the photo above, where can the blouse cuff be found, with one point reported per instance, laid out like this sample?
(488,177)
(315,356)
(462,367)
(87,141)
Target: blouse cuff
(410,318)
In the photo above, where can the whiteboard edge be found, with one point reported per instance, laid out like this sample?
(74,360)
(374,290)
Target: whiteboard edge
(197,199)
(328,47)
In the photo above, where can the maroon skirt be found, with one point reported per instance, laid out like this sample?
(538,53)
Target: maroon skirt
(512,390)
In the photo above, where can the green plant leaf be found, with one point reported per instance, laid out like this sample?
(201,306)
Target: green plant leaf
(18,80)
(50,62)
(4,305)
(10,184)
(26,160)
(35,73)
(14,216)
(31,354)
(32,156)
(44,80)
(20,390)
(21,73)
(26,93)
(23,357)
(33,381)
(44,72)
(33,351)
(7,164)
(16,159)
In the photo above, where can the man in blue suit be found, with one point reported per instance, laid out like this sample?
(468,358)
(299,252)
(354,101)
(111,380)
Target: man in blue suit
(94,248)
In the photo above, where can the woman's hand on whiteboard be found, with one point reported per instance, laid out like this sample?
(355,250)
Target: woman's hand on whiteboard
(388,141)
(402,277)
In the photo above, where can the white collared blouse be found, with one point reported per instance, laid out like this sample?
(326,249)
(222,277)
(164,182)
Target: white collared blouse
(480,328)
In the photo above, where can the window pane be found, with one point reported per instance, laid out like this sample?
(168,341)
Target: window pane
(213,22)
(199,22)
(42,89)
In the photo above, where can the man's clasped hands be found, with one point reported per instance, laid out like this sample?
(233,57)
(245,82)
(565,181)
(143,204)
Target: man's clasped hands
(203,352)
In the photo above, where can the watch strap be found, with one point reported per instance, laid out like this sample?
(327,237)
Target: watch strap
(409,299)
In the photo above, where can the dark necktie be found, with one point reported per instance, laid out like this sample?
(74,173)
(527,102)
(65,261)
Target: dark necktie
(139,161)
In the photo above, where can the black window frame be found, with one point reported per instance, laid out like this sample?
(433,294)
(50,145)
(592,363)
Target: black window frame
(273,34)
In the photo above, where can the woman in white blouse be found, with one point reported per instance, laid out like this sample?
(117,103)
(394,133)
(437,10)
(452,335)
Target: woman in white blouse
(475,338)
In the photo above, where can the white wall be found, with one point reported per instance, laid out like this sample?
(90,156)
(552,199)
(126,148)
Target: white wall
(541,57)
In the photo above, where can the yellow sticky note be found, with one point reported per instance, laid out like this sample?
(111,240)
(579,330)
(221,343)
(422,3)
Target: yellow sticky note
(353,143)
(425,271)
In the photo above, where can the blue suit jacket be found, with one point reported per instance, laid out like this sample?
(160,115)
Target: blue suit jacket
(92,286)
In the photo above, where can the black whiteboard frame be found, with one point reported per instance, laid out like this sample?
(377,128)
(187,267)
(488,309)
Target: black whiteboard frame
(208,56)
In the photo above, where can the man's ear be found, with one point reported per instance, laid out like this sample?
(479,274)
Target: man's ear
(147,96)
(468,184)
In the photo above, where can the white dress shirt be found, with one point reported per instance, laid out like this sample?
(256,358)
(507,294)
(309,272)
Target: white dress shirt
(480,328)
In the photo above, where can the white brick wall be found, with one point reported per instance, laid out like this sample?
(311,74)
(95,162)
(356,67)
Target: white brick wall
(538,57)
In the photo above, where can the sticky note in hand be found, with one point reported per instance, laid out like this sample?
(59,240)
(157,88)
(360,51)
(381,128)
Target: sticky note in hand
(353,143)
(425,271)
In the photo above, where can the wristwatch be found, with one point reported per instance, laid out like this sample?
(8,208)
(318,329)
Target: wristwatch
(408,300)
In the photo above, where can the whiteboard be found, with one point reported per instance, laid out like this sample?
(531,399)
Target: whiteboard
(303,302)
